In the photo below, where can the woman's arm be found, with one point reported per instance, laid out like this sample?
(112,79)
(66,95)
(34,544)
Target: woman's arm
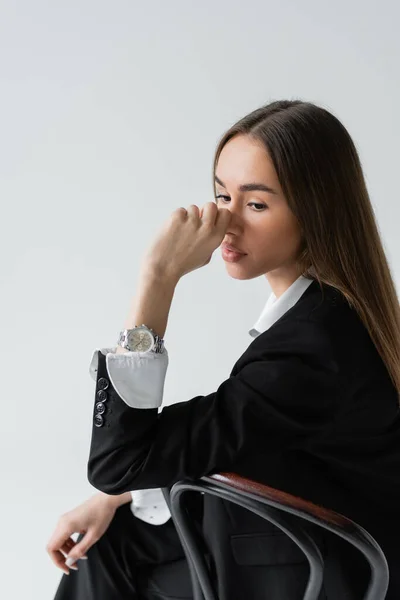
(278,399)
(119,500)
(152,303)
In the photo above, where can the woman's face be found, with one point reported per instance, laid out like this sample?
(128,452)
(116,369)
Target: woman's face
(262,225)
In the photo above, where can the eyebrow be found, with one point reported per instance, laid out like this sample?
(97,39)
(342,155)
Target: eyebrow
(251,187)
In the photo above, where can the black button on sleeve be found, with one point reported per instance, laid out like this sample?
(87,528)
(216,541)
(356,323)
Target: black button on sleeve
(98,420)
(100,408)
(103,383)
(101,396)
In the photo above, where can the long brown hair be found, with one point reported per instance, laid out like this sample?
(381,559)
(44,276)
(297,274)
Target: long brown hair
(320,174)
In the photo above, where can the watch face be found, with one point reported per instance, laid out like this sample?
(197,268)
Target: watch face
(140,340)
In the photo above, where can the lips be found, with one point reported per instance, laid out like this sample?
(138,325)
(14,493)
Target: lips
(232,249)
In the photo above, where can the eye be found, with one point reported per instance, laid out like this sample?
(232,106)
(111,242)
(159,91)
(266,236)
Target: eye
(254,203)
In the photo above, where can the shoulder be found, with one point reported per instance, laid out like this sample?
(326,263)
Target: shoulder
(321,315)
(307,332)
(291,344)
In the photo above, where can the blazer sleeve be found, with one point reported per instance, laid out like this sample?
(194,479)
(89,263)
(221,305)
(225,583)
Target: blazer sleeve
(283,391)
(138,379)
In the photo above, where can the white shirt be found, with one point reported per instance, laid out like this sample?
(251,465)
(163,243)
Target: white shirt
(138,377)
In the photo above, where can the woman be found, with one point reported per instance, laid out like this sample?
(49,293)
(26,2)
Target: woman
(311,407)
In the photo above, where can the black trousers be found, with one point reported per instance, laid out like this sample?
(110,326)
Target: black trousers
(133,560)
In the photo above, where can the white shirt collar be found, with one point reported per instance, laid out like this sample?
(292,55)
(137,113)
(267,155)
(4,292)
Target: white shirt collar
(276,307)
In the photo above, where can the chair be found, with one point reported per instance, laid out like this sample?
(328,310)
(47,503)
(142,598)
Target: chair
(284,510)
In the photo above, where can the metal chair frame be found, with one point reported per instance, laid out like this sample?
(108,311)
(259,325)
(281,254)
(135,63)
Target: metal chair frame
(286,512)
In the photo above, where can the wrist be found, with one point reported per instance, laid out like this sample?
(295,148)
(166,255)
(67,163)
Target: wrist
(115,501)
(156,272)
(153,299)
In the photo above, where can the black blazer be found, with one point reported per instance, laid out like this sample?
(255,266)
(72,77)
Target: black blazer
(308,408)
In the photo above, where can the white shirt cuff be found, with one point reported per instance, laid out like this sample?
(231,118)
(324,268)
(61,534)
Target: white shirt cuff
(149,505)
(137,377)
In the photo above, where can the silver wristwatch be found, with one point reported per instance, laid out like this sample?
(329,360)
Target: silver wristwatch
(141,339)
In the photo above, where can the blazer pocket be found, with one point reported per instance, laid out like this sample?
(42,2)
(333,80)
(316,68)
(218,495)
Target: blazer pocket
(266,549)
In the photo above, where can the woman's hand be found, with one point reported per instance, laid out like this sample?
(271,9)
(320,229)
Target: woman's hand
(187,240)
(91,518)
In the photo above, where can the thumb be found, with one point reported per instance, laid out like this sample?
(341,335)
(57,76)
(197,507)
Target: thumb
(80,549)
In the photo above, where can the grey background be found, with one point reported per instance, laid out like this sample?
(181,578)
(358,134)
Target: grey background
(110,114)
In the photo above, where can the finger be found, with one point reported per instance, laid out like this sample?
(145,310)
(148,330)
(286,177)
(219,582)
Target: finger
(59,560)
(60,541)
(223,218)
(57,541)
(61,536)
(80,549)
(209,212)
(65,528)
(67,547)
(193,209)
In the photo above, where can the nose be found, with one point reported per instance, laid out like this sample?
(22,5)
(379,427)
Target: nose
(235,227)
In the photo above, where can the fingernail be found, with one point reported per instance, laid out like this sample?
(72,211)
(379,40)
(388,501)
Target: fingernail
(83,558)
(70,561)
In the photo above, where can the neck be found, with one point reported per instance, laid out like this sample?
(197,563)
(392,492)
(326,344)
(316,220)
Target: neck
(280,281)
